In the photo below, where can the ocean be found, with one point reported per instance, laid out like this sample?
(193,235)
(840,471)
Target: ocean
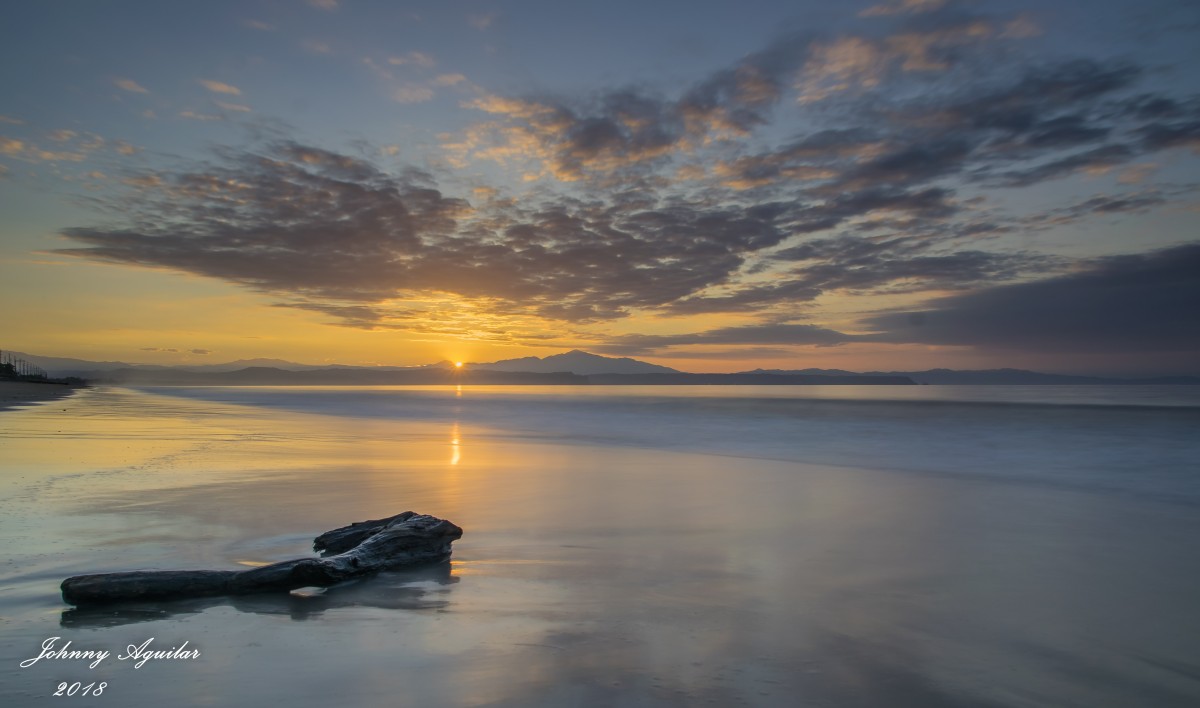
(645,546)
(1122,439)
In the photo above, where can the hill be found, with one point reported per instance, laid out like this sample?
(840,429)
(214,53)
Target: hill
(985,377)
(576,362)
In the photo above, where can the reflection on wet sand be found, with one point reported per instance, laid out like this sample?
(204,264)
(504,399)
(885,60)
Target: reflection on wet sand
(591,574)
(416,589)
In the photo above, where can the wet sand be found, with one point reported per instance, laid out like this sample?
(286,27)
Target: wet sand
(14,394)
(588,575)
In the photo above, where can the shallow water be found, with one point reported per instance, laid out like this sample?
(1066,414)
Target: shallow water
(648,547)
(1084,437)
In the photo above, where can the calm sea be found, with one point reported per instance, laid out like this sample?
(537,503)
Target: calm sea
(1142,440)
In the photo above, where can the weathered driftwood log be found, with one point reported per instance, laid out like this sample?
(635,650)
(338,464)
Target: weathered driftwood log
(358,549)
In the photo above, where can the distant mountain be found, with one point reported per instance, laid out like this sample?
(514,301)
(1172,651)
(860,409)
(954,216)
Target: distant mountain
(293,366)
(349,376)
(246,364)
(747,379)
(577,367)
(61,366)
(986,377)
(576,362)
(339,376)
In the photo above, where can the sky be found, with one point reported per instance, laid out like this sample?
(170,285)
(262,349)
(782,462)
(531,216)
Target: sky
(714,186)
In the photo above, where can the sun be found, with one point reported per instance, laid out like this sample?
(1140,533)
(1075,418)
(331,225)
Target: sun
(458,364)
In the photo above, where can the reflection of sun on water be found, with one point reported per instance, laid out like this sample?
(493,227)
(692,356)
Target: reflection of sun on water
(455,450)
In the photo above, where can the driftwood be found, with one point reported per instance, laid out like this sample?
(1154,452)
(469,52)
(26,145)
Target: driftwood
(358,549)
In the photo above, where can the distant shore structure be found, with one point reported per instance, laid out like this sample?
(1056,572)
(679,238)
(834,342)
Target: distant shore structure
(14,367)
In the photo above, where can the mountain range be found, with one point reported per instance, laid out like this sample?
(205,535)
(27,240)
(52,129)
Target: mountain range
(986,377)
(573,367)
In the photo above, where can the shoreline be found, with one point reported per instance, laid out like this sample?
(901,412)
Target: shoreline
(19,394)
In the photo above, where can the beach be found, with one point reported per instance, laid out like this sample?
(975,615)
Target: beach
(21,393)
(624,563)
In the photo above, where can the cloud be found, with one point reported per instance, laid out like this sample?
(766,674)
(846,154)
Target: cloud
(220,87)
(420,59)
(482,21)
(1129,303)
(335,229)
(130,85)
(236,107)
(1014,129)
(193,115)
(1103,204)
(10,120)
(850,263)
(357,316)
(316,46)
(327,5)
(898,7)
(1096,160)
(259,25)
(157,349)
(201,351)
(630,128)
(338,234)
(412,94)
(24,150)
(921,104)
(857,63)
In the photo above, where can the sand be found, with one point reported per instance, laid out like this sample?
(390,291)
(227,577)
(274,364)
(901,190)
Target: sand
(588,575)
(14,394)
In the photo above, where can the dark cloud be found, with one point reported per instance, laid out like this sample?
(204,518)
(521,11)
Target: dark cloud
(1104,204)
(1013,128)
(923,271)
(1135,303)
(1066,131)
(1099,158)
(358,316)
(339,236)
(201,351)
(866,265)
(906,166)
(628,128)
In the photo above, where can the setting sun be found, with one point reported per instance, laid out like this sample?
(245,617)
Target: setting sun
(458,364)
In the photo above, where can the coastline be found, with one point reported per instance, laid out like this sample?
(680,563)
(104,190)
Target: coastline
(17,394)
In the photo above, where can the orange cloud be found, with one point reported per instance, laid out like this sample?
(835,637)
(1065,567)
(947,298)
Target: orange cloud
(130,85)
(220,87)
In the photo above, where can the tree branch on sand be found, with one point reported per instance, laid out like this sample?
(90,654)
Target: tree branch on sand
(359,549)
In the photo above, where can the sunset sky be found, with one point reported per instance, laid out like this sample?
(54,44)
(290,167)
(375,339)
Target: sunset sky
(714,186)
